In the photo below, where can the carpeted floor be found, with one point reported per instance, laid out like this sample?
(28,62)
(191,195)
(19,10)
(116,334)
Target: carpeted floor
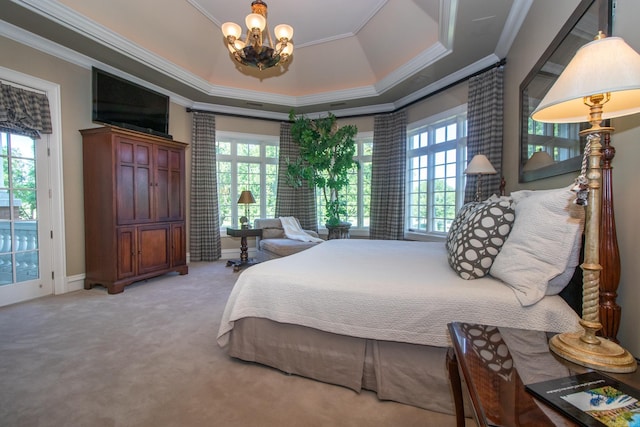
(148,357)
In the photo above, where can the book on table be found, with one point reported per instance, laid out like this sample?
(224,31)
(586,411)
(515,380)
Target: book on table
(591,399)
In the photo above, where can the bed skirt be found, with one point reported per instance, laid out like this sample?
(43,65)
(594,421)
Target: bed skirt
(407,373)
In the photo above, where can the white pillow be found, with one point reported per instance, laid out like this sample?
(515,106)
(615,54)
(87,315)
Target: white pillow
(543,245)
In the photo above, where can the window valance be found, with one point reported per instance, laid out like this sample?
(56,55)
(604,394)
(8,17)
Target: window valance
(24,112)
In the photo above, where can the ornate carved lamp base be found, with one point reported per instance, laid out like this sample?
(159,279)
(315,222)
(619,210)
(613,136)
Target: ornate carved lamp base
(603,355)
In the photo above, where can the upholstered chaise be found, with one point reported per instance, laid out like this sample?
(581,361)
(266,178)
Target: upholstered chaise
(274,243)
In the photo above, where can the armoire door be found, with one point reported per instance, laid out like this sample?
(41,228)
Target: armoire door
(134,186)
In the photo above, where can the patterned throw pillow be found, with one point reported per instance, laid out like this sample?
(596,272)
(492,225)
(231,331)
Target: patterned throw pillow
(460,218)
(478,238)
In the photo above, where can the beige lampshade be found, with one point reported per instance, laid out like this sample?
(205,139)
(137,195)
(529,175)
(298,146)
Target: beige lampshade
(480,165)
(607,65)
(246,197)
(538,160)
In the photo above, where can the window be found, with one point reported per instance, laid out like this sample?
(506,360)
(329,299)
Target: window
(246,162)
(436,158)
(358,193)
(557,139)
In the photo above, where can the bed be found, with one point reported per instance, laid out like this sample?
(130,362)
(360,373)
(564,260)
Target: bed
(369,314)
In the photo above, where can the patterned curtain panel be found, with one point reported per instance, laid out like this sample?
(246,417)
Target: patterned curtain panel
(297,202)
(388,176)
(204,239)
(484,124)
(24,112)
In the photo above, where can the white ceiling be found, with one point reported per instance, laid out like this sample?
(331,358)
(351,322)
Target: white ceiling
(351,56)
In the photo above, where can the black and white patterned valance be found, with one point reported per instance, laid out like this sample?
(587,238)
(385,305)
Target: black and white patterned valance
(24,112)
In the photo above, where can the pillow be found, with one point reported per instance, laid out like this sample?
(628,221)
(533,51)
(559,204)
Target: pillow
(459,219)
(273,233)
(478,237)
(544,244)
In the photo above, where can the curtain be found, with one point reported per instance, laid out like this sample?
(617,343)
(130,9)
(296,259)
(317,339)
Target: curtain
(298,202)
(388,163)
(24,112)
(204,237)
(484,124)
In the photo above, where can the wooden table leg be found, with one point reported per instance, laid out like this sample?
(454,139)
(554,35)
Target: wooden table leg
(456,386)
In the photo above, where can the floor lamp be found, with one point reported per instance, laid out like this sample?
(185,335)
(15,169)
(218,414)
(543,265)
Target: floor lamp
(602,81)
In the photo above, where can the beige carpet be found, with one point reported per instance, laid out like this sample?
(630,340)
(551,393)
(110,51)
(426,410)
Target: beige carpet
(148,357)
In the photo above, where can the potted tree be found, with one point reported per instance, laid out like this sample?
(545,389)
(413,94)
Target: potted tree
(326,157)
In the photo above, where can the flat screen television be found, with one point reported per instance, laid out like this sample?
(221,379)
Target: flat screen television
(125,104)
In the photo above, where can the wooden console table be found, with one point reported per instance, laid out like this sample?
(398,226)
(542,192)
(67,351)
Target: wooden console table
(243,233)
(496,363)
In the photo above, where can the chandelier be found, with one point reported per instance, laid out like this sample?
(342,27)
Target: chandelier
(254,51)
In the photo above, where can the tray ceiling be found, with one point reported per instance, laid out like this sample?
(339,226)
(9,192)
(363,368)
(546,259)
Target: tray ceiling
(351,57)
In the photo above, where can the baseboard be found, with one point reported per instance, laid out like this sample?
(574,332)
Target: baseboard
(74,283)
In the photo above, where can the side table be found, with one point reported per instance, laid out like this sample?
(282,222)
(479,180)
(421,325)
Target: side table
(243,233)
(496,362)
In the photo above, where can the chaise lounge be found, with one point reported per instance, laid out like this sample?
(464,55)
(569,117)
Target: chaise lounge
(274,243)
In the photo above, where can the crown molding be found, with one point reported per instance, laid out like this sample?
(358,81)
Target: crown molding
(452,78)
(516,17)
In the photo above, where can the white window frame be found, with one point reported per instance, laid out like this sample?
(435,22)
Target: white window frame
(245,138)
(429,125)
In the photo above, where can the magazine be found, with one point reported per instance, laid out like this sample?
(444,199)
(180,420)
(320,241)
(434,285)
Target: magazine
(591,399)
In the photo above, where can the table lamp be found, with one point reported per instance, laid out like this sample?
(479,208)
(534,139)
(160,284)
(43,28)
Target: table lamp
(246,198)
(602,81)
(479,165)
(538,160)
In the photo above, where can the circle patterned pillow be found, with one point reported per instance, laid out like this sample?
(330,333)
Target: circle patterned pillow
(460,218)
(477,240)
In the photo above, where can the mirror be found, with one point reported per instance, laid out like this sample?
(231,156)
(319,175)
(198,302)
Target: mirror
(548,149)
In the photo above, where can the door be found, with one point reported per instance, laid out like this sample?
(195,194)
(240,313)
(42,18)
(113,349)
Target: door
(126,252)
(25,241)
(153,248)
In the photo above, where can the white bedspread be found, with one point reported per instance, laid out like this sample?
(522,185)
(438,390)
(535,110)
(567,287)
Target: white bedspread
(385,290)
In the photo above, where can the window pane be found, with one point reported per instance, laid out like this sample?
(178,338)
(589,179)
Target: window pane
(223,148)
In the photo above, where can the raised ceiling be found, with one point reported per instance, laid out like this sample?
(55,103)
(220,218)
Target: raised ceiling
(351,57)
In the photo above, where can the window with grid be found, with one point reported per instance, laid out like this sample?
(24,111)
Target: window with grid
(436,158)
(358,192)
(560,140)
(246,162)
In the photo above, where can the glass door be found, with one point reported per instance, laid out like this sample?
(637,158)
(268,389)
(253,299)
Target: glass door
(23,270)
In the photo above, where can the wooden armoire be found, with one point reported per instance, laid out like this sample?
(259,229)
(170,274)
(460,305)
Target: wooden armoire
(134,207)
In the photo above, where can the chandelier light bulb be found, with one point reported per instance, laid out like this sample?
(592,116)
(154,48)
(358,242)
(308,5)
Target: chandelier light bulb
(283,31)
(236,46)
(255,20)
(288,49)
(231,29)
